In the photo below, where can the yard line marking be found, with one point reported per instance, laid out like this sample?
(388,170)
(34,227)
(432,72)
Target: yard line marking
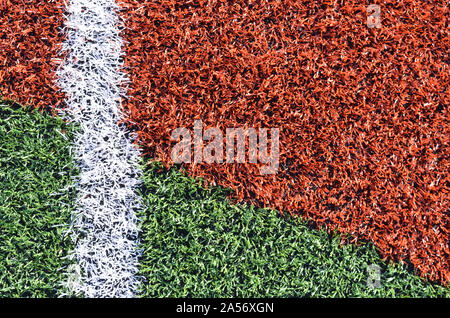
(104,226)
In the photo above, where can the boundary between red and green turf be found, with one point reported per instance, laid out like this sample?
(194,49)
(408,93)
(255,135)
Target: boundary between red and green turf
(194,241)
(197,244)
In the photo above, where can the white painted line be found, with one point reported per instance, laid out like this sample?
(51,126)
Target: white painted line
(105,224)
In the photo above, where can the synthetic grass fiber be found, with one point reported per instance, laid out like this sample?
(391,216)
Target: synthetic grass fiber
(196,244)
(35,168)
(30,42)
(104,218)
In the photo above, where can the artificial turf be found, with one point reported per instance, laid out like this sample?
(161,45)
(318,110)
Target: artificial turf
(361,111)
(197,244)
(194,241)
(35,169)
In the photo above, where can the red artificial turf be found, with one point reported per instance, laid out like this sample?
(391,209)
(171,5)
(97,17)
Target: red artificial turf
(30,40)
(362,113)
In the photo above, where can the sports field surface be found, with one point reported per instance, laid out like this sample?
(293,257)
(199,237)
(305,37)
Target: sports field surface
(224,148)
(36,201)
(194,241)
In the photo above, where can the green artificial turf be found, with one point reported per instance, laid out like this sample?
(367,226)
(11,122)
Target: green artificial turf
(35,167)
(196,244)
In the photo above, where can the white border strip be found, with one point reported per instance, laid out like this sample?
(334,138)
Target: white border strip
(104,224)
